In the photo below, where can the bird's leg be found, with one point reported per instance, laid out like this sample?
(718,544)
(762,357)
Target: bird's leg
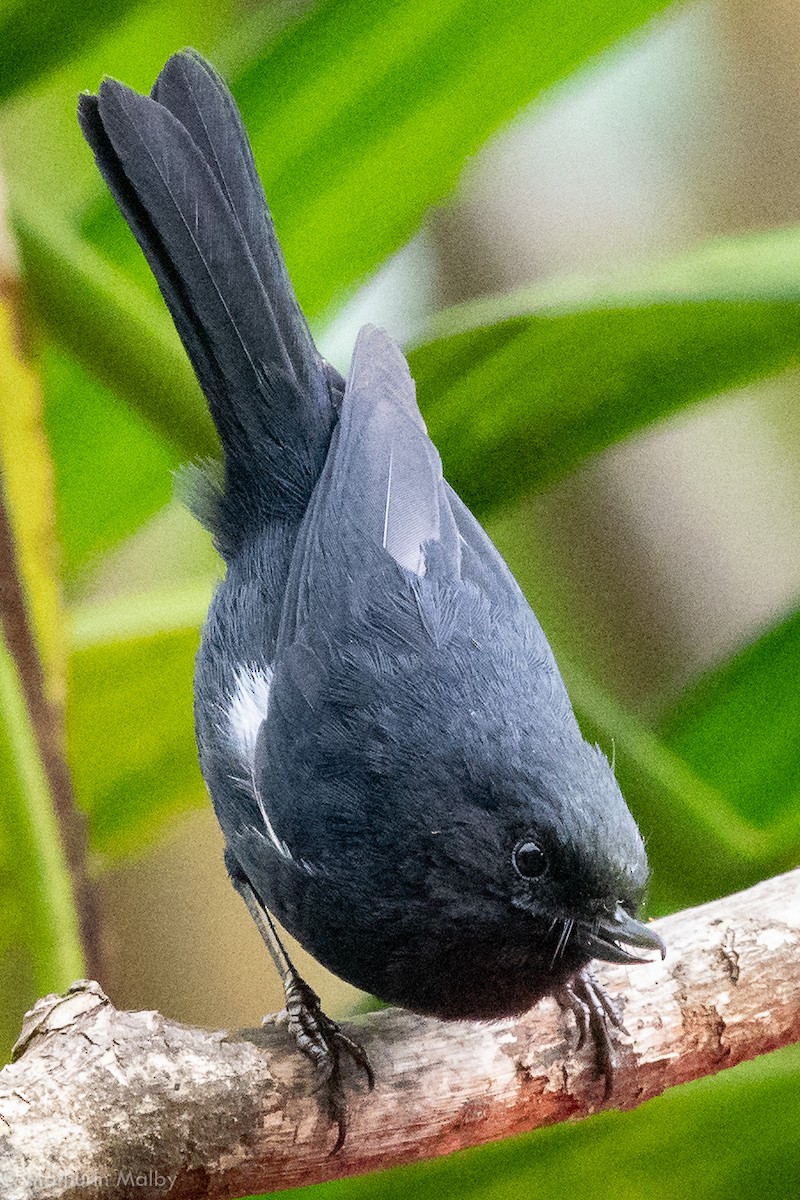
(593,1011)
(569,1002)
(316,1035)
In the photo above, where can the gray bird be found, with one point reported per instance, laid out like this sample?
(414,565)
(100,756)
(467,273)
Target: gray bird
(387,740)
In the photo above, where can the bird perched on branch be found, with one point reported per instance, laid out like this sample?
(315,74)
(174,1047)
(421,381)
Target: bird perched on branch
(382,726)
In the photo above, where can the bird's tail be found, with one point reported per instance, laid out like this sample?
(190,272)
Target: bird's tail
(179,165)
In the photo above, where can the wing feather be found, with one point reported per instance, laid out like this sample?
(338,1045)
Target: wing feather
(380,499)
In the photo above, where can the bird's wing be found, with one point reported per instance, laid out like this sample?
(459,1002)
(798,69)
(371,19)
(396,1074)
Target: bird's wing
(481,561)
(484,567)
(381,504)
(377,533)
(388,565)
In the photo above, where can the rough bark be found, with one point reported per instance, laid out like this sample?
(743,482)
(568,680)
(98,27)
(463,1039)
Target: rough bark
(101,1102)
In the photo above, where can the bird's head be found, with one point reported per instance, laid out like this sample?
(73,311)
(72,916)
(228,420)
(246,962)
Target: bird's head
(578,862)
(550,854)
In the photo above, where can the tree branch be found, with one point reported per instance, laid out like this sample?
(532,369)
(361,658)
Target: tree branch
(133,1105)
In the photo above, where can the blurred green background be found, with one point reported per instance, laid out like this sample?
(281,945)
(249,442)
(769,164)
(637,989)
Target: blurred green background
(583,220)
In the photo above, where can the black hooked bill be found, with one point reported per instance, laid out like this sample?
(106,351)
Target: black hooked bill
(603,939)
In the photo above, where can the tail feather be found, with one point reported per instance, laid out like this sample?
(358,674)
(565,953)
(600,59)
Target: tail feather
(143,229)
(180,168)
(193,91)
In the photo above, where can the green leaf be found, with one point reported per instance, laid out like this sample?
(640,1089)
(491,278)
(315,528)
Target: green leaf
(716,789)
(698,845)
(362,115)
(124,339)
(44,153)
(518,390)
(38,35)
(738,728)
(39,940)
(511,406)
(130,736)
(112,471)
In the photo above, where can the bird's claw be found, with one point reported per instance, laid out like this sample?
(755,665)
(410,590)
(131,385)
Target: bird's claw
(323,1042)
(594,1011)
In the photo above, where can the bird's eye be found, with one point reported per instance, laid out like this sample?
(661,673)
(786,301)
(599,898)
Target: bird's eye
(529,860)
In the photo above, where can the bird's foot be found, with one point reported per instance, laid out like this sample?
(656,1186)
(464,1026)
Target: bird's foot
(594,1012)
(324,1043)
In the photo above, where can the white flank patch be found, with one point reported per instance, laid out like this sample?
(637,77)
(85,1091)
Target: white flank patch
(247,711)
